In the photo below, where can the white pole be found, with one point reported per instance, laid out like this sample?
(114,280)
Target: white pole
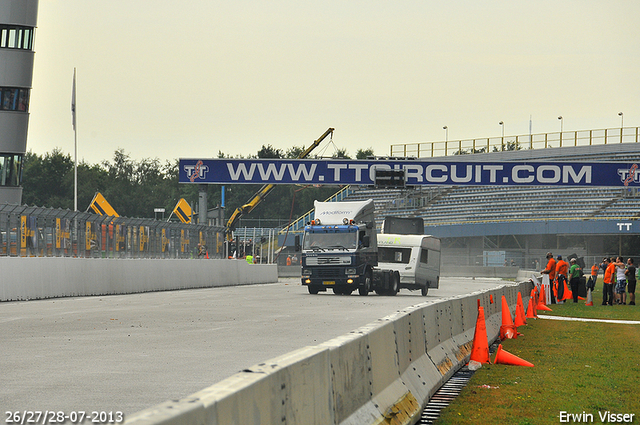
(75,143)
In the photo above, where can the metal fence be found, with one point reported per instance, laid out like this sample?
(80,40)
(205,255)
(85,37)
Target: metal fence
(528,141)
(47,232)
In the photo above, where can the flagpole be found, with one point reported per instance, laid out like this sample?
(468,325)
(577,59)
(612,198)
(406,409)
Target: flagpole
(75,144)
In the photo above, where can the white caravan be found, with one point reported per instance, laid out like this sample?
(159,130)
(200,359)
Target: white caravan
(415,257)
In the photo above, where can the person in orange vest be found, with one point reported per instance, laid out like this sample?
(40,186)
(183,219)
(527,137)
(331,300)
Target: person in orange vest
(288,260)
(551,271)
(562,270)
(591,284)
(609,276)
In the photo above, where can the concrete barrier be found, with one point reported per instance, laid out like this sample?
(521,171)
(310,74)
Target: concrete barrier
(24,278)
(384,372)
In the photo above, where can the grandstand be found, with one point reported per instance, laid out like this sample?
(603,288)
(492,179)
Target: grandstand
(522,222)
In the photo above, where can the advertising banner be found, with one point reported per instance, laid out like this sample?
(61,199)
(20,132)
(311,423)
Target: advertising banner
(362,172)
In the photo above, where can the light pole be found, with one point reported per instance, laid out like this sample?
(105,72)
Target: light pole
(621,124)
(502,125)
(561,128)
(446,133)
(561,124)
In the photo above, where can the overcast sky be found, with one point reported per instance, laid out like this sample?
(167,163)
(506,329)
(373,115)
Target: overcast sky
(167,79)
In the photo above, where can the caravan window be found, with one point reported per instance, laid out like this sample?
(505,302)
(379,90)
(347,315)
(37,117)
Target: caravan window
(394,255)
(424,256)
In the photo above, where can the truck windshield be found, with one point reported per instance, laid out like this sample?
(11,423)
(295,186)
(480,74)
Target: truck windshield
(328,241)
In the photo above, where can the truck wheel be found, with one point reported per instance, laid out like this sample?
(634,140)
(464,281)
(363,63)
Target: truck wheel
(313,290)
(425,290)
(395,283)
(364,289)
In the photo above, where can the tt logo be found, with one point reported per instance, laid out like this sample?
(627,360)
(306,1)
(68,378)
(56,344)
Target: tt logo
(197,171)
(625,225)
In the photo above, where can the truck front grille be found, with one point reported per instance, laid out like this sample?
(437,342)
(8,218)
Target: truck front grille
(330,272)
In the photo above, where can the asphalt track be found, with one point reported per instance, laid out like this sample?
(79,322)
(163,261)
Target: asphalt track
(130,352)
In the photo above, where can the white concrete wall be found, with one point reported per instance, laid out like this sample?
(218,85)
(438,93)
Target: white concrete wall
(392,365)
(24,278)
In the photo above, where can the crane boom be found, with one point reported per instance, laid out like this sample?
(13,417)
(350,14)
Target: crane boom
(264,190)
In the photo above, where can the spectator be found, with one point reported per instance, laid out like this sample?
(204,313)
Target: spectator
(607,287)
(294,260)
(288,260)
(562,271)
(604,264)
(574,279)
(551,271)
(621,282)
(631,281)
(591,285)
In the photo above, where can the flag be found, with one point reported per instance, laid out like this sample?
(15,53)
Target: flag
(73,101)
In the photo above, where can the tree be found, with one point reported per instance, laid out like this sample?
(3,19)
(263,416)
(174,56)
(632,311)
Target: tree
(294,152)
(508,146)
(341,153)
(44,177)
(364,153)
(269,152)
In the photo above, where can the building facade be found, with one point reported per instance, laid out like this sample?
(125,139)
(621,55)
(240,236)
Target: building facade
(17,34)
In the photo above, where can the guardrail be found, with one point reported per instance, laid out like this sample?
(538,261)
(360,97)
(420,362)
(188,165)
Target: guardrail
(47,232)
(384,372)
(527,141)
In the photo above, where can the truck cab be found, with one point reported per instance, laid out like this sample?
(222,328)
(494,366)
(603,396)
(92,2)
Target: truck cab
(339,248)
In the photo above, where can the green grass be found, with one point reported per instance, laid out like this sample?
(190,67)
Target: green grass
(598,311)
(578,367)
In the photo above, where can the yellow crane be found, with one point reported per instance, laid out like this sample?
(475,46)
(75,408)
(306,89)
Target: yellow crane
(264,191)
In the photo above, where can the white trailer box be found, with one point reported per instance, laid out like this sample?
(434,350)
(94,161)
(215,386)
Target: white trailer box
(415,257)
(335,212)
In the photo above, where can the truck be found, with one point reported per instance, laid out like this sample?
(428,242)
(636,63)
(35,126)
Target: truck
(340,251)
(415,257)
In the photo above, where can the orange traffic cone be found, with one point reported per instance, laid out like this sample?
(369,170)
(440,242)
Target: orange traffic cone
(530,309)
(567,295)
(543,297)
(543,307)
(480,348)
(520,318)
(589,298)
(542,304)
(508,329)
(504,357)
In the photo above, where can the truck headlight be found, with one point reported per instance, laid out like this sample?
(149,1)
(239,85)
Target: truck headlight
(350,271)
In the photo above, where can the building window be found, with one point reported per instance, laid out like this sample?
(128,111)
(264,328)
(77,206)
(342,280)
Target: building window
(14,37)
(10,170)
(14,99)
